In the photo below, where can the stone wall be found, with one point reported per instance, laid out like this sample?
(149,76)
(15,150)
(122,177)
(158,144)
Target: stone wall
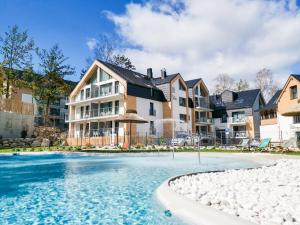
(12,124)
(24,142)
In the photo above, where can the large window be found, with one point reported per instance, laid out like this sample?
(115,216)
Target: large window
(197,91)
(87,93)
(105,108)
(181,86)
(294,92)
(104,76)
(238,116)
(182,101)
(182,117)
(296,119)
(105,89)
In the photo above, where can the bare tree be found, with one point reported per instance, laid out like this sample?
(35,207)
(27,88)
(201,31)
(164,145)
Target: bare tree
(223,82)
(241,85)
(106,50)
(265,82)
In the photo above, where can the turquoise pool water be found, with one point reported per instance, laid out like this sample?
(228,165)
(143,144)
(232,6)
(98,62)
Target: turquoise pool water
(93,189)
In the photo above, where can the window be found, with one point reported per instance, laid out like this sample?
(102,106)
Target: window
(182,117)
(105,89)
(294,91)
(224,118)
(116,87)
(81,94)
(93,79)
(196,90)
(81,112)
(105,108)
(152,128)
(117,107)
(296,119)
(152,110)
(54,112)
(26,98)
(238,116)
(87,110)
(104,76)
(87,93)
(181,86)
(182,101)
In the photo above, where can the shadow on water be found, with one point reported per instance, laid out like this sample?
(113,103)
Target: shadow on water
(17,171)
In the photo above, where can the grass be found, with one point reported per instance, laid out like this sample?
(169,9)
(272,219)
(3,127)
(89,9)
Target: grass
(78,149)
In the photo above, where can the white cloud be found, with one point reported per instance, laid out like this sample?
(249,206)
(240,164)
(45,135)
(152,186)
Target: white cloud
(205,38)
(91,43)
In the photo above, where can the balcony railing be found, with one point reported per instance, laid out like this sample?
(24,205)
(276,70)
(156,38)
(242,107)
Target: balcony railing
(96,113)
(96,94)
(203,120)
(152,112)
(237,119)
(239,134)
(202,102)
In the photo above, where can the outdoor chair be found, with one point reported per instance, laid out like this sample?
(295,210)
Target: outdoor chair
(244,144)
(264,144)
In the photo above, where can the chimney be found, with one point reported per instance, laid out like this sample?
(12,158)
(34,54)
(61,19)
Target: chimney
(149,73)
(163,73)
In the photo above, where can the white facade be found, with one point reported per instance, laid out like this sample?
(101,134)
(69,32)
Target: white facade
(270,131)
(143,110)
(177,110)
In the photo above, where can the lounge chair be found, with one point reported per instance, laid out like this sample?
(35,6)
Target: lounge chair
(244,144)
(264,143)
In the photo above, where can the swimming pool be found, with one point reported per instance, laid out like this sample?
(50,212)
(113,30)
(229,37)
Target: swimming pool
(93,189)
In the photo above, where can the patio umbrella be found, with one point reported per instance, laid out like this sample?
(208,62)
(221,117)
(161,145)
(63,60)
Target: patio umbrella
(130,117)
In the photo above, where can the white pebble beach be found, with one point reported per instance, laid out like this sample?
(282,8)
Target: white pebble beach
(269,195)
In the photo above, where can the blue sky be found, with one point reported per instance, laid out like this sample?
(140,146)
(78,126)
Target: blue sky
(66,22)
(199,40)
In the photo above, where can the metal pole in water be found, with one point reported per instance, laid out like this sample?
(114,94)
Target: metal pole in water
(199,159)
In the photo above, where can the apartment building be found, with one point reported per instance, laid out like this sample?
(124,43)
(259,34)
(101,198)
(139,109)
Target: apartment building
(107,91)
(236,114)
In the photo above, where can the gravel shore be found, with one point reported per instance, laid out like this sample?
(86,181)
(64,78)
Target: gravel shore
(267,195)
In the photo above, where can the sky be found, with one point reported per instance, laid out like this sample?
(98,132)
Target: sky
(197,38)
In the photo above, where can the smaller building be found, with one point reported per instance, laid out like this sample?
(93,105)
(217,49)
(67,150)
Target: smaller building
(236,114)
(17,114)
(289,111)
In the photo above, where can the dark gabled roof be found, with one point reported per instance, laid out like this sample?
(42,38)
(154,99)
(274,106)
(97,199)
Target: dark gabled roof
(130,76)
(168,79)
(242,99)
(191,83)
(138,84)
(272,104)
(296,76)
